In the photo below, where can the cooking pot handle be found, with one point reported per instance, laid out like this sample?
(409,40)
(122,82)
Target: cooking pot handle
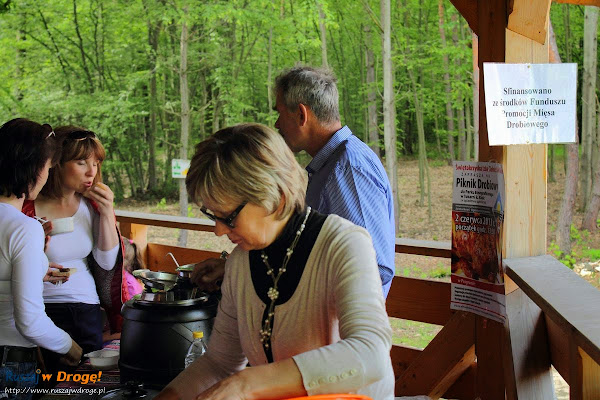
(183,332)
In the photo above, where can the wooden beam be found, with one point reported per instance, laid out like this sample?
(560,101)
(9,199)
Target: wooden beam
(590,377)
(419,300)
(159,261)
(468,9)
(463,388)
(580,2)
(560,292)
(490,335)
(429,248)
(558,343)
(493,17)
(490,347)
(528,350)
(530,19)
(443,361)
(168,221)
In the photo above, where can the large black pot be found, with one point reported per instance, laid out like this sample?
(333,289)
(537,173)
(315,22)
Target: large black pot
(155,338)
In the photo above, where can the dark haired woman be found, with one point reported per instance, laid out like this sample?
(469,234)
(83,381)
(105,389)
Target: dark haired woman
(91,246)
(26,155)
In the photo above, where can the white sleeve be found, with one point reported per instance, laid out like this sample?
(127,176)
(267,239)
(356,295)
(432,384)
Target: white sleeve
(225,356)
(362,356)
(29,265)
(105,259)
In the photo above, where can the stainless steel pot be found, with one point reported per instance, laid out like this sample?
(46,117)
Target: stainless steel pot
(156,280)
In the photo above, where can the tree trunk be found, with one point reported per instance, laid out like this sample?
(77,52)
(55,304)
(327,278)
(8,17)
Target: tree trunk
(590,71)
(567,206)
(389,107)
(460,110)
(551,175)
(153,32)
(82,50)
(185,121)
(372,129)
(323,32)
(449,111)
(270,72)
(469,129)
(20,56)
(588,100)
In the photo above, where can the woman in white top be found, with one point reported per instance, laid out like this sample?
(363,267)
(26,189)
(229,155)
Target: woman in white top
(74,191)
(301,296)
(25,158)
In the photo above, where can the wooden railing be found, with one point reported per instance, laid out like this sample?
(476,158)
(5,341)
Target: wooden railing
(554,319)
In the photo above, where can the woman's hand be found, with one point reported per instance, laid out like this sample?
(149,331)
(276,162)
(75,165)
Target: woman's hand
(208,274)
(103,196)
(231,388)
(73,356)
(55,280)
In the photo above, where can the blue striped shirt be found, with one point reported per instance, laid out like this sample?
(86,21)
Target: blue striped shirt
(346,178)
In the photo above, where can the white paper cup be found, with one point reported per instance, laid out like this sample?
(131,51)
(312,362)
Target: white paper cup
(62,225)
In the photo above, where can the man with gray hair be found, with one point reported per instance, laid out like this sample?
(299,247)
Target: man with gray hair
(346,177)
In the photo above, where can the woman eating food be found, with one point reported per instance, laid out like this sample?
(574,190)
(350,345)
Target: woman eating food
(301,296)
(86,241)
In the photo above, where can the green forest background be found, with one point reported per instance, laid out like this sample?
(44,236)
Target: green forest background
(115,67)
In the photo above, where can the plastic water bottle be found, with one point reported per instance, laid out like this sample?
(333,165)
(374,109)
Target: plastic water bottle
(196,350)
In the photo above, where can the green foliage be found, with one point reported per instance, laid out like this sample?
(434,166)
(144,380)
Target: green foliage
(439,272)
(97,68)
(161,205)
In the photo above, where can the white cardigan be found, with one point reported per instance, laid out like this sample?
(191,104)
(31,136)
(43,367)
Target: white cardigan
(335,326)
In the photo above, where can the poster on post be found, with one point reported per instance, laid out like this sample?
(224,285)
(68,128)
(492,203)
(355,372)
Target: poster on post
(477,219)
(530,103)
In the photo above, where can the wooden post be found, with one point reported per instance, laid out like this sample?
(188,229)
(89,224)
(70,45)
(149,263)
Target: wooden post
(490,337)
(527,370)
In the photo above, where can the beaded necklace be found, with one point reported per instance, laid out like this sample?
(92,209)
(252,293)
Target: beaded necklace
(273,293)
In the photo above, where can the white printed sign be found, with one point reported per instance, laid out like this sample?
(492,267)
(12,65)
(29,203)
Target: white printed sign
(530,103)
(179,168)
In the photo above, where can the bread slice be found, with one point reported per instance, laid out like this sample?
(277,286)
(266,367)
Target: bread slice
(63,272)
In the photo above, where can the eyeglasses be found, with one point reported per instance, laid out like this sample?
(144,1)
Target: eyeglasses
(51,131)
(81,135)
(228,220)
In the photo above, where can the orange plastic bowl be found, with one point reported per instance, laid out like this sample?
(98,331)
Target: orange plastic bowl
(341,396)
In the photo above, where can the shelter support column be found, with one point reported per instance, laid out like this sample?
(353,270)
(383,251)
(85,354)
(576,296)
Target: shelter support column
(523,337)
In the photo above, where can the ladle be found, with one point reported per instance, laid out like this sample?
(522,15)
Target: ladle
(173,257)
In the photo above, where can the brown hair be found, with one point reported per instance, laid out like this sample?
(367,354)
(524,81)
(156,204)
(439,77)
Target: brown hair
(132,258)
(76,144)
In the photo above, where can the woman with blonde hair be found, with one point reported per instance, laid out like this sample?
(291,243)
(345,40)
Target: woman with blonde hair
(301,296)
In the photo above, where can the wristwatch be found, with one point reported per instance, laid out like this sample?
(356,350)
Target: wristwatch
(224,255)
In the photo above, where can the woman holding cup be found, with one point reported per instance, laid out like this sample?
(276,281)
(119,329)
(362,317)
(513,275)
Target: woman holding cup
(84,238)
